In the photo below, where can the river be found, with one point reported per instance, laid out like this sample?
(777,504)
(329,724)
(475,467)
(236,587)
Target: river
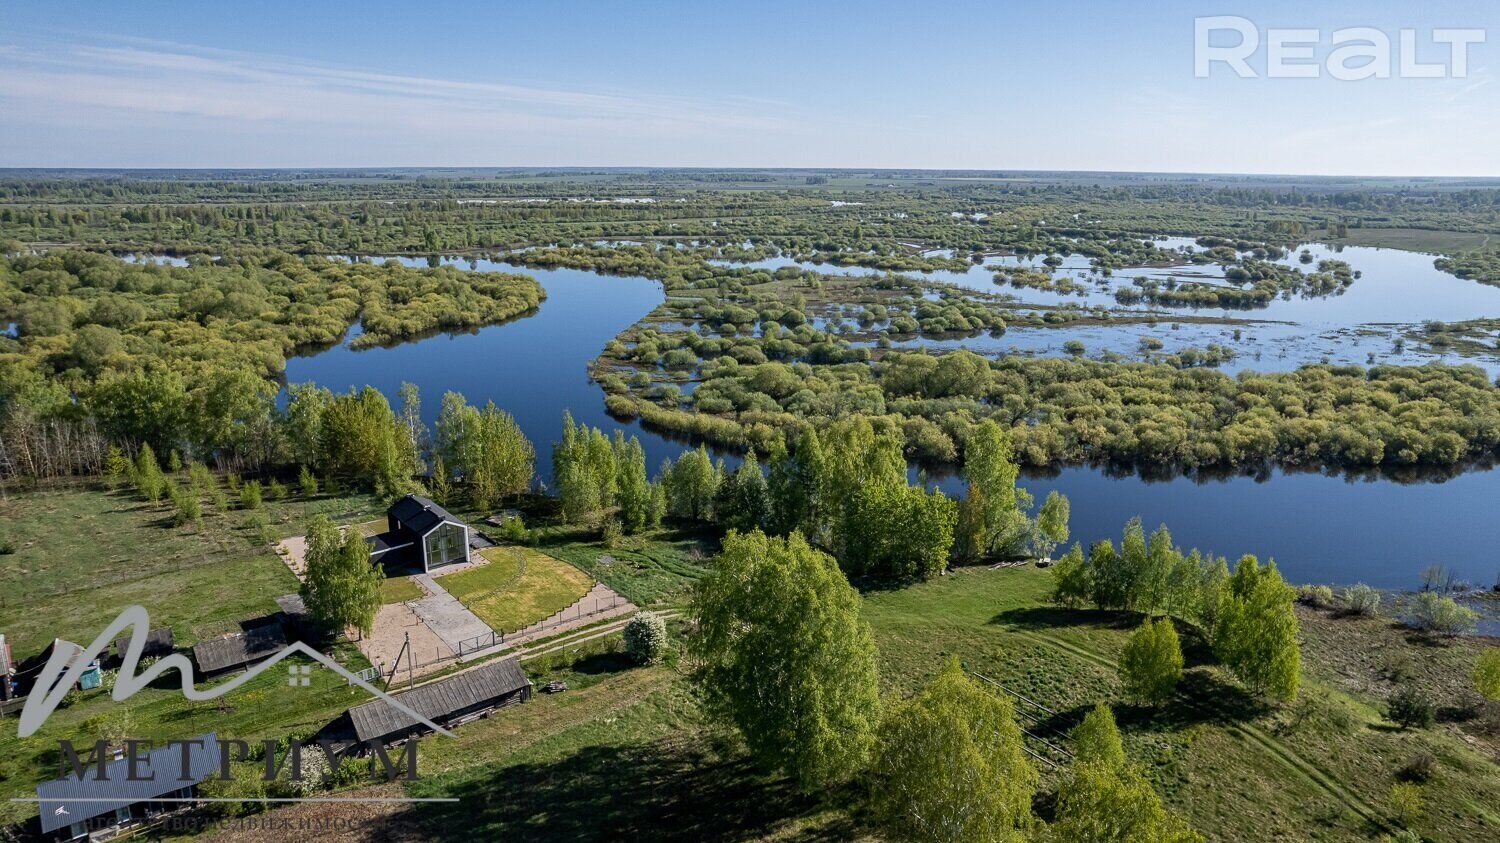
(1318,528)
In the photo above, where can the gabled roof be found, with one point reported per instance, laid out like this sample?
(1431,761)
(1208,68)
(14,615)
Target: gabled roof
(163,762)
(239,648)
(419,514)
(439,699)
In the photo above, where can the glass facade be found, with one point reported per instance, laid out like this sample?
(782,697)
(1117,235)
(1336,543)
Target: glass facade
(445,545)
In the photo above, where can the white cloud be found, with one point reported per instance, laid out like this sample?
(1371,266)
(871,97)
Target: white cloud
(134,85)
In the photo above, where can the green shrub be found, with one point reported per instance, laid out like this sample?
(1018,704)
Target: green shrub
(1316,596)
(1361,599)
(250,495)
(646,638)
(1409,708)
(1441,615)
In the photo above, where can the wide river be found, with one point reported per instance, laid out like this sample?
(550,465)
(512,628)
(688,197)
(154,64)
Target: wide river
(1318,528)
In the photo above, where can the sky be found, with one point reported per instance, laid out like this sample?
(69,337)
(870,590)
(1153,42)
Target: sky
(1056,85)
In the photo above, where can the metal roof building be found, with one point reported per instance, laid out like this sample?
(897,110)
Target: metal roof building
(421,534)
(73,808)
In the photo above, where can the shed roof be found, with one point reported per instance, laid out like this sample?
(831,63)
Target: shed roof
(419,514)
(239,648)
(68,800)
(434,701)
(158,642)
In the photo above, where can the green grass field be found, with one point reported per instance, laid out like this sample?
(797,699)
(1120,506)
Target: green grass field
(1417,240)
(518,587)
(630,753)
(626,750)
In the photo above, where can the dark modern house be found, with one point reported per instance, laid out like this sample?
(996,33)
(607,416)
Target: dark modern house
(449,702)
(90,808)
(422,534)
(230,652)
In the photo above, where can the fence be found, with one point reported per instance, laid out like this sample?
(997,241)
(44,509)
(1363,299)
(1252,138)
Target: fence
(571,614)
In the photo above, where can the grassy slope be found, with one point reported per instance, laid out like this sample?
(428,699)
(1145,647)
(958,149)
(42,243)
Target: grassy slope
(626,748)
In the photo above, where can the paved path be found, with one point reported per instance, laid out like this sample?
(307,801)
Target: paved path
(445,615)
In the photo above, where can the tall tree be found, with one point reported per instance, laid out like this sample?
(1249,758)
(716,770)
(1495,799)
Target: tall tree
(634,491)
(342,588)
(950,765)
(784,656)
(1256,634)
(742,501)
(990,466)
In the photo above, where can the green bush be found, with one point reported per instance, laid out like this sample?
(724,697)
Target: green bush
(1441,615)
(1409,708)
(1361,599)
(646,638)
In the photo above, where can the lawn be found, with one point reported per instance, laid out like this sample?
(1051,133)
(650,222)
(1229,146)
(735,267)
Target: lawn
(518,587)
(399,590)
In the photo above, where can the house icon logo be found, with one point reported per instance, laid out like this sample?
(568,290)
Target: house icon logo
(58,676)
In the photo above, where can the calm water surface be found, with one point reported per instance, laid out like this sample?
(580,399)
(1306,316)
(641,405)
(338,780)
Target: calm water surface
(1318,528)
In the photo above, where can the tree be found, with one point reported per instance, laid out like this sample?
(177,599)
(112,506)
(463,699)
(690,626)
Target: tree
(1071,583)
(440,483)
(342,588)
(1051,524)
(583,470)
(1106,799)
(1151,665)
(363,439)
(1487,674)
(990,468)
(116,468)
(646,638)
(950,765)
(302,422)
(307,482)
(1097,739)
(633,489)
(784,656)
(690,485)
(149,480)
(503,460)
(250,495)
(742,501)
(1256,634)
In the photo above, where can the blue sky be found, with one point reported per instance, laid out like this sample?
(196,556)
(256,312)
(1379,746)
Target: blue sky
(998,85)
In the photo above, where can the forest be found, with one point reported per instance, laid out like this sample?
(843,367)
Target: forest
(106,351)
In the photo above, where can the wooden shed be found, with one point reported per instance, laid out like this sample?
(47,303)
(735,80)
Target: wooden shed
(230,652)
(449,702)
